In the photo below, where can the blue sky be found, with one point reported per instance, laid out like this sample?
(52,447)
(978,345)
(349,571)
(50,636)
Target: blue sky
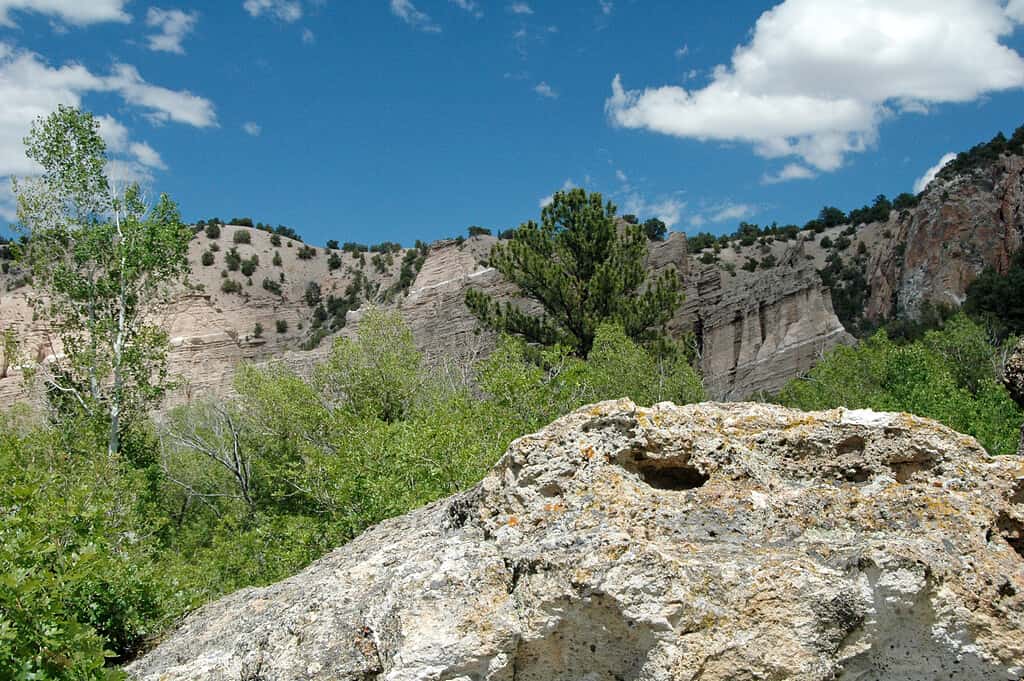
(369,120)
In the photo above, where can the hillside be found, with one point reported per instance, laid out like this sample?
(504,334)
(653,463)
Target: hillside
(762,305)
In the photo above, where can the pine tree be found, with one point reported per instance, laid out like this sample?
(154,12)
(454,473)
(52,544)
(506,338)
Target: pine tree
(584,268)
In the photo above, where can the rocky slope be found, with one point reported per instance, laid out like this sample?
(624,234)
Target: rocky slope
(712,542)
(758,313)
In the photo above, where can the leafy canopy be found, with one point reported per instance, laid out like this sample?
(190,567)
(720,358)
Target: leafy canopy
(583,268)
(99,258)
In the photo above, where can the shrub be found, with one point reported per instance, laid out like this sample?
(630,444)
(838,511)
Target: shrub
(213,230)
(233,259)
(306,252)
(334,262)
(332,244)
(277,259)
(275,239)
(214,246)
(272,286)
(208,258)
(281,325)
(248,267)
(257,330)
(478,231)
(242,236)
(312,295)
(231,286)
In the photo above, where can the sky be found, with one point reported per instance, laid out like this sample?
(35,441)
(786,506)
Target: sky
(372,120)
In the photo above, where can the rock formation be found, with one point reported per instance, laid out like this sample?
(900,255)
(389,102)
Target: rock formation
(961,225)
(712,542)
(1014,379)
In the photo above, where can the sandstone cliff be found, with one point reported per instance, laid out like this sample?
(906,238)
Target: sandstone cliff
(711,542)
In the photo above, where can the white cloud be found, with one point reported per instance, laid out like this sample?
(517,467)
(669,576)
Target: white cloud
(520,8)
(668,209)
(407,12)
(147,155)
(252,128)
(606,6)
(174,26)
(792,171)
(621,176)
(732,211)
(819,76)
(76,12)
(682,51)
(545,90)
(38,88)
(931,173)
(308,37)
(286,10)
(180,106)
(470,6)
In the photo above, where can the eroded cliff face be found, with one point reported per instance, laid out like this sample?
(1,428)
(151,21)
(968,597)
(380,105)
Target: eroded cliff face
(754,331)
(711,542)
(936,250)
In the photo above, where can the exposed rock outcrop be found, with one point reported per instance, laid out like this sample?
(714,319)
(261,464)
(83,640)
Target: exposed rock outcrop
(1014,379)
(711,542)
(961,225)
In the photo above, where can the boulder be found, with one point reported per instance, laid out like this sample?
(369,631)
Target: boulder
(714,542)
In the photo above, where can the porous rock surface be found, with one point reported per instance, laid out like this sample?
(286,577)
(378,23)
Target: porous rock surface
(713,542)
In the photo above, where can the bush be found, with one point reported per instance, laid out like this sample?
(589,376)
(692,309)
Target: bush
(231,286)
(332,244)
(275,239)
(242,236)
(272,286)
(478,231)
(213,230)
(277,259)
(306,252)
(312,295)
(249,266)
(214,246)
(257,330)
(208,258)
(334,262)
(281,325)
(232,259)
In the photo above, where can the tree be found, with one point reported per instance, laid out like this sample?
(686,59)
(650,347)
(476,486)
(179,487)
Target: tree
(101,260)
(475,230)
(8,351)
(655,229)
(583,270)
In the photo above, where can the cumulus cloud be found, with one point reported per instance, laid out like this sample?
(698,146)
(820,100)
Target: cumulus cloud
(520,8)
(931,173)
(252,128)
(286,10)
(38,88)
(308,37)
(407,12)
(792,171)
(606,6)
(566,186)
(545,90)
(174,25)
(75,12)
(819,76)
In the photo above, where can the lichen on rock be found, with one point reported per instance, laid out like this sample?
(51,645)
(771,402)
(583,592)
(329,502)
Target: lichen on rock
(714,542)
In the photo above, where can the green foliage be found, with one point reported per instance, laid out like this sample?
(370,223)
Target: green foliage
(583,271)
(312,296)
(306,252)
(272,286)
(334,262)
(101,259)
(998,299)
(281,325)
(242,222)
(983,155)
(474,230)
(213,230)
(75,566)
(949,376)
(275,240)
(257,330)
(208,258)
(242,236)
(655,229)
(232,259)
(231,286)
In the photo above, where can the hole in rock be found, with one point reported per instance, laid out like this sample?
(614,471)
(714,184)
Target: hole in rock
(1012,531)
(1017,495)
(905,470)
(593,640)
(856,474)
(670,475)
(852,445)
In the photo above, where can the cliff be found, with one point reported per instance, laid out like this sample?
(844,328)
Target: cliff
(711,542)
